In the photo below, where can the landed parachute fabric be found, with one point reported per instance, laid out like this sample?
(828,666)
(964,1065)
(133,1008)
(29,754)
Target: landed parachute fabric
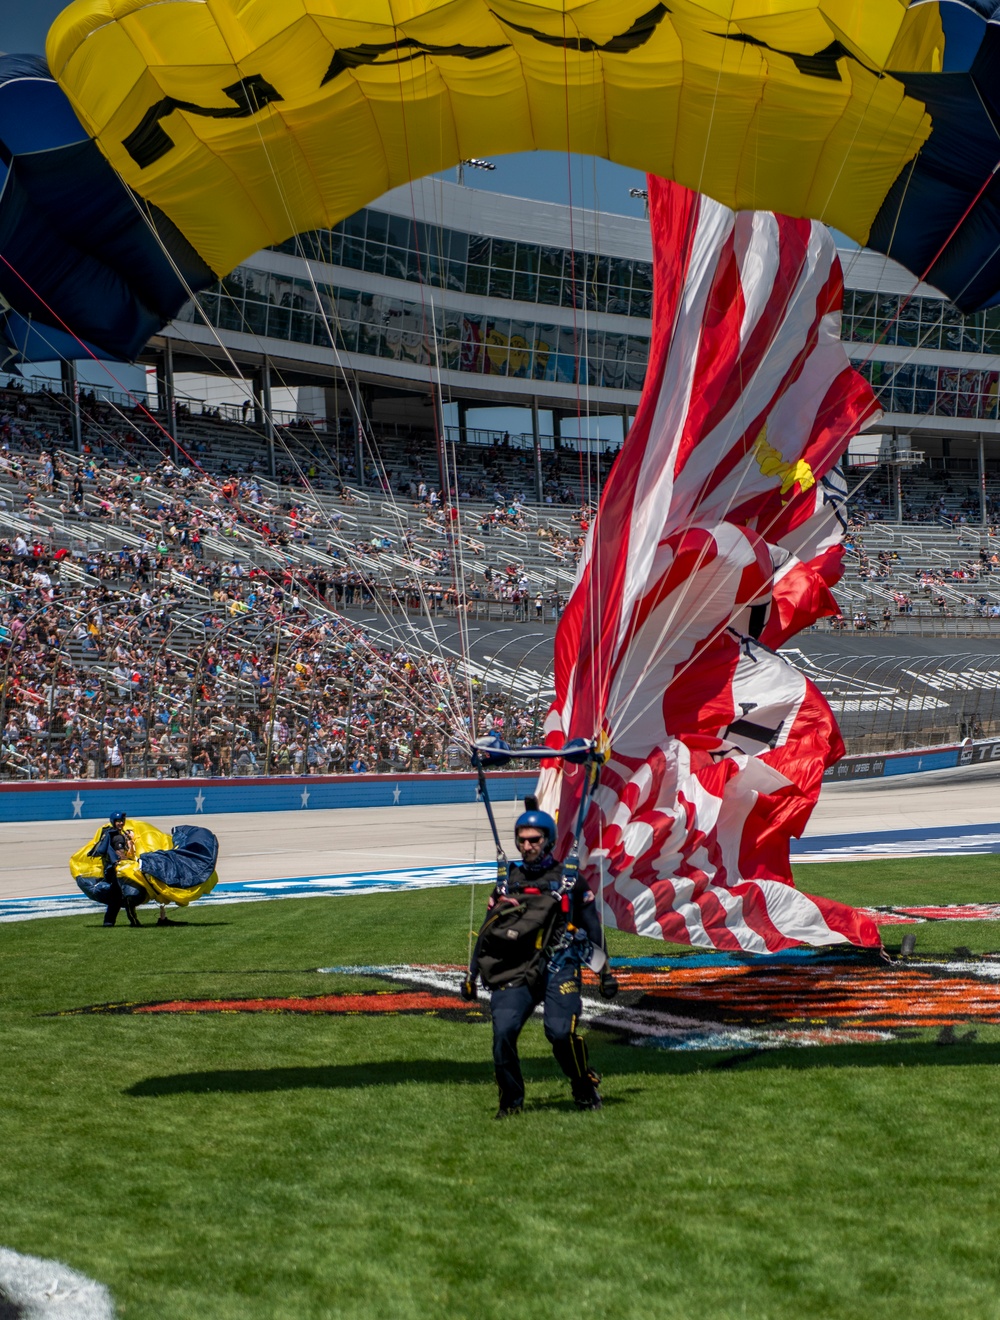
(249,122)
(717,744)
(181,866)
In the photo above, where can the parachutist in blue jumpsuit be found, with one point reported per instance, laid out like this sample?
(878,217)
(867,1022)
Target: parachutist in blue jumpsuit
(569,930)
(114,846)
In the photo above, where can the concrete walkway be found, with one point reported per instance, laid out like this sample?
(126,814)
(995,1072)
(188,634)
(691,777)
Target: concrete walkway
(293,844)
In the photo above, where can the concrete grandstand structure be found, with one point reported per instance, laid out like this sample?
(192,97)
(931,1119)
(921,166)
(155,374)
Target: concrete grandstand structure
(439,300)
(339,531)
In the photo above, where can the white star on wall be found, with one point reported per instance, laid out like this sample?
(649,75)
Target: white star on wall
(77,805)
(395,796)
(305,797)
(199,801)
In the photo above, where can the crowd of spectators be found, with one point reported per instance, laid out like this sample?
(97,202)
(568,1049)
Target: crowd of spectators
(97,682)
(175,652)
(156,620)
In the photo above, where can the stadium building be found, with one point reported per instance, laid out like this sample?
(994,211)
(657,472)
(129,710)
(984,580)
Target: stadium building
(429,310)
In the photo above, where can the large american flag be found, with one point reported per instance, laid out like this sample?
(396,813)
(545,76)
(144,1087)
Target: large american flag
(719,524)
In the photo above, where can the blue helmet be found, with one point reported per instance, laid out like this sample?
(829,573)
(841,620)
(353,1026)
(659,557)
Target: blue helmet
(536,820)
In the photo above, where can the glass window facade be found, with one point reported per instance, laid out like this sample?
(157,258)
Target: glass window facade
(279,307)
(382,326)
(933,391)
(931,323)
(408,249)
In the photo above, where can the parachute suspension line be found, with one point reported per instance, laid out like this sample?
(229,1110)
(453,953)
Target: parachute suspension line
(379,608)
(165,453)
(574,282)
(484,793)
(571,866)
(93,356)
(902,306)
(457,553)
(623,706)
(575,286)
(859,122)
(957,226)
(724,46)
(695,655)
(440,440)
(595,528)
(692,226)
(106,436)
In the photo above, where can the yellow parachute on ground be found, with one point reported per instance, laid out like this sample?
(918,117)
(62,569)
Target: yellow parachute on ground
(168,868)
(249,122)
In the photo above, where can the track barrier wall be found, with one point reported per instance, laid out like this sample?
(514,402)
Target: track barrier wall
(916,761)
(96,799)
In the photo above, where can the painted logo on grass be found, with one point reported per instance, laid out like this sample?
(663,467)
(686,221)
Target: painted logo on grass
(379,1003)
(898,916)
(693,1001)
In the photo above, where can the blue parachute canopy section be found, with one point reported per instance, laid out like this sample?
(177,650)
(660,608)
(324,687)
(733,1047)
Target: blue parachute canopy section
(941,218)
(189,863)
(81,257)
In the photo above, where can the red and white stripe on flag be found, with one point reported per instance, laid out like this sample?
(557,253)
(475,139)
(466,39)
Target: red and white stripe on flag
(720,512)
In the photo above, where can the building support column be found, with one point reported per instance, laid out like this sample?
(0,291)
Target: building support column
(463,423)
(557,417)
(165,389)
(257,385)
(536,438)
(441,445)
(71,388)
(265,409)
(982,483)
(357,407)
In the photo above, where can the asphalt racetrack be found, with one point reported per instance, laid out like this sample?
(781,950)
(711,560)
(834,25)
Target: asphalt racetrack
(944,812)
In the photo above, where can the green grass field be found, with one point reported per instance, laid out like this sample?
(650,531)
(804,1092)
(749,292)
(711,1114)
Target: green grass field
(243,1167)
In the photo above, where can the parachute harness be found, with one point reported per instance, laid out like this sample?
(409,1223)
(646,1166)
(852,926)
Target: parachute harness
(572,938)
(492,750)
(484,793)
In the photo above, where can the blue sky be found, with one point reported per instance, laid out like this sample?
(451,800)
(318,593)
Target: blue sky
(547,176)
(24,23)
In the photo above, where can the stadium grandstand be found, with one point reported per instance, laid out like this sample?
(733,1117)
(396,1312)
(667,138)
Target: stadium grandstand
(196,586)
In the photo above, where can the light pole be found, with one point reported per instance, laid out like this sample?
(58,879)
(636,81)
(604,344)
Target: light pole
(473,163)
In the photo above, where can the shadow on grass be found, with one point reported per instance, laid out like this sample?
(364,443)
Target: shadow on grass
(626,1062)
(153,925)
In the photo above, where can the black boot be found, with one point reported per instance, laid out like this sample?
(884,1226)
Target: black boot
(130,912)
(585,1092)
(509,1111)
(111,915)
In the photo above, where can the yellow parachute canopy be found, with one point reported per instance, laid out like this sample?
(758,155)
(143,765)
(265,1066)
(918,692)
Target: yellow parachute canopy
(147,839)
(248,121)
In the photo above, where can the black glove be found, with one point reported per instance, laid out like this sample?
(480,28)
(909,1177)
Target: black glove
(608,985)
(468,990)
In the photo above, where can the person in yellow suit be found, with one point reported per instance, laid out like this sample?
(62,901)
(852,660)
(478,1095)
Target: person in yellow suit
(130,862)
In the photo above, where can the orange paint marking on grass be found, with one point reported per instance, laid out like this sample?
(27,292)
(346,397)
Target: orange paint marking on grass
(872,997)
(380,1001)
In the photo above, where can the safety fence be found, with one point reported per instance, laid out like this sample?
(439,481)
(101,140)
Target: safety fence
(896,702)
